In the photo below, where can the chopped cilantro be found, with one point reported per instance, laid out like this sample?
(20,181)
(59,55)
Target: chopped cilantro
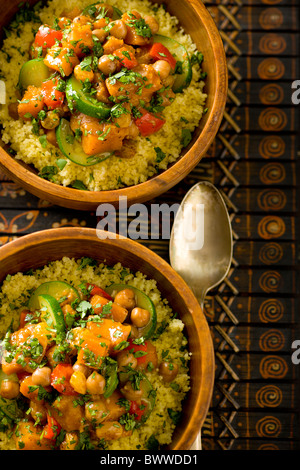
(160,155)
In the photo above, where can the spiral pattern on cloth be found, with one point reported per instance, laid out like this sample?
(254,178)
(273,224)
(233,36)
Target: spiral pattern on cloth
(272,43)
(271,146)
(271,94)
(271,200)
(270,281)
(272,119)
(268,426)
(271,68)
(269,396)
(271,340)
(271,227)
(271,311)
(272,173)
(273,367)
(271,253)
(271,18)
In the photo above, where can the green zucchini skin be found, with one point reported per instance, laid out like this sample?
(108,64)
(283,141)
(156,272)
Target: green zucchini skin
(180,53)
(80,101)
(57,289)
(52,313)
(73,149)
(34,72)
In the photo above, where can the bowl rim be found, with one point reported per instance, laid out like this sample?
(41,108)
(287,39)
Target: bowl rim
(153,187)
(203,397)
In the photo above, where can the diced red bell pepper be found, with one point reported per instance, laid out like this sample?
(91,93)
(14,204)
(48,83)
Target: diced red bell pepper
(126,57)
(52,428)
(96,290)
(141,348)
(52,97)
(149,124)
(46,37)
(159,52)
(137,410)
(60,379)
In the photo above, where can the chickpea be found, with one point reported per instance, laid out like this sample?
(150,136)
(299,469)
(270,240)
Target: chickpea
(51,121)
(101,34)
(125,298)
(168,370)
(95,384)
(78,382)
(82,368)
(140,317)
(42,376)
(38,412)
(125,358)
(163,68)
(110,431)
(118,29)
(9,389)
(152,23)
(70,441)
(96,411)
(130,393)
(83,75)
(106,65)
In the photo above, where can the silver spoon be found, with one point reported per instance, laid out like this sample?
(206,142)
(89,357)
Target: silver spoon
(201,243)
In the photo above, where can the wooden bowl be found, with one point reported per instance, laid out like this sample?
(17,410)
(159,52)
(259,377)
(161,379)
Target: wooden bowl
(35,250)
(196,21)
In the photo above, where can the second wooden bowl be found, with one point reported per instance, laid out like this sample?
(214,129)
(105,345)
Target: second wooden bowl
(36,250)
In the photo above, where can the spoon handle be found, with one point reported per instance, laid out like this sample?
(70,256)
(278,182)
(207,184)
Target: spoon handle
(197,444)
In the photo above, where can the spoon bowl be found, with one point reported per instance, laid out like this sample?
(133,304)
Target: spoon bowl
(201,239)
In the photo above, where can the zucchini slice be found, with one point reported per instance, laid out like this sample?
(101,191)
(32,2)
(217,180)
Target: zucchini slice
(52,313)
(57,289)
(80,101)
(72,149)
(33,72)
(142,301)
(180,53)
